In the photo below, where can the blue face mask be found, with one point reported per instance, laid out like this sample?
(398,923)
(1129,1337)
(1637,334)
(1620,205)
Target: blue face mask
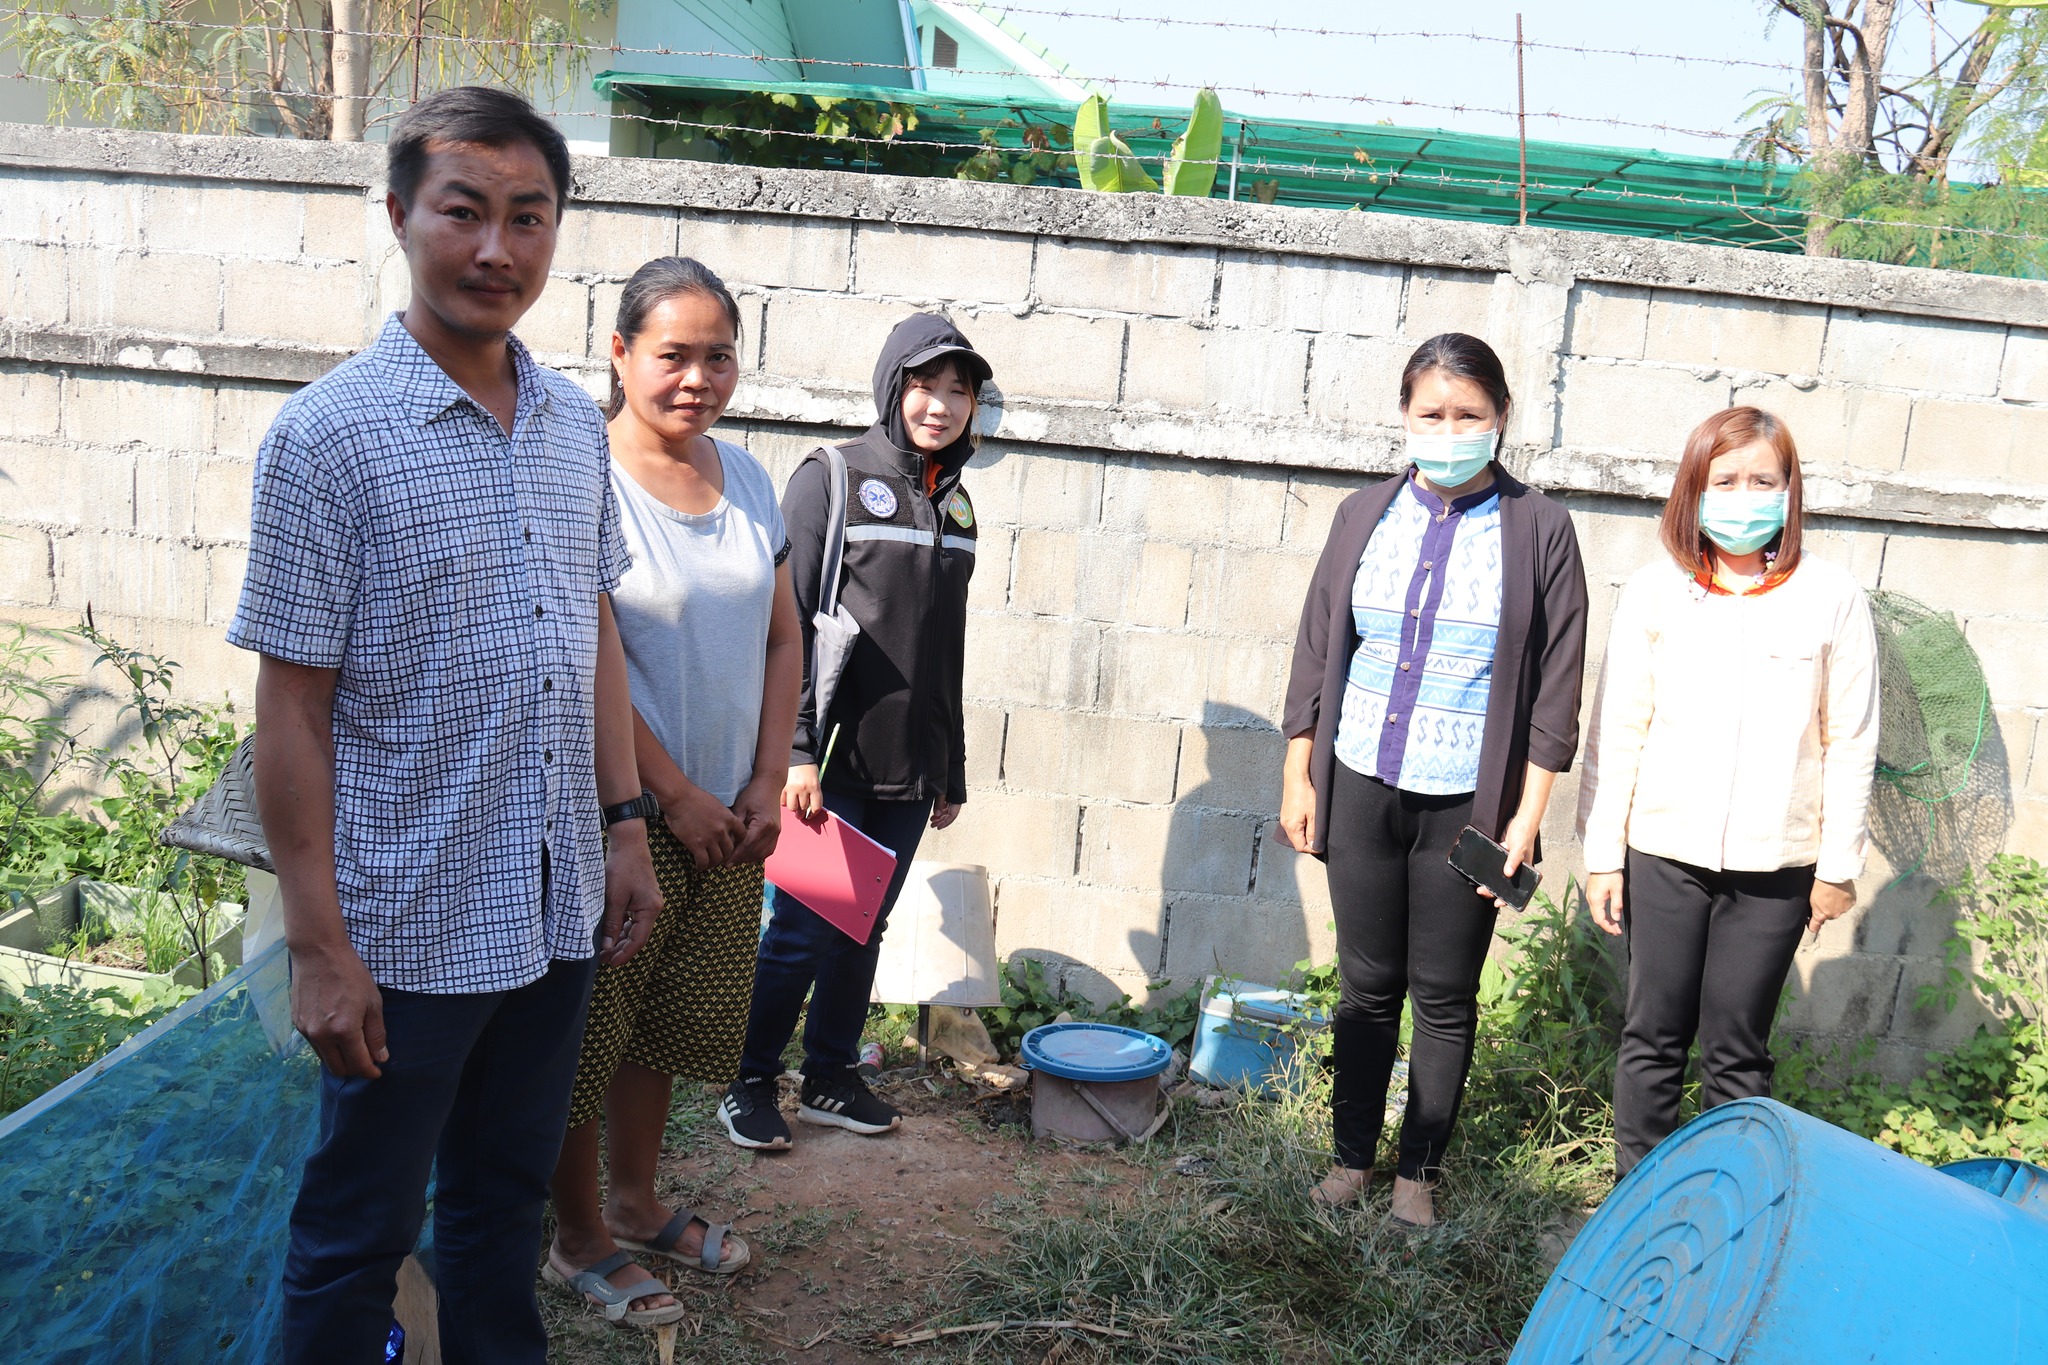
(1740,521)
(1448,460)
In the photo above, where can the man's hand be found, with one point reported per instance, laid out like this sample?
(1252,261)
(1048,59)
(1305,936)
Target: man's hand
(944,812)
(1603,900)
(1830,900)
(759,811)
(338,1009)
(701,825)
(801,792)
(632,898)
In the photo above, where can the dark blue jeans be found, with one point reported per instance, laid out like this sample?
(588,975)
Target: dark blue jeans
(804,954)
(480,1085)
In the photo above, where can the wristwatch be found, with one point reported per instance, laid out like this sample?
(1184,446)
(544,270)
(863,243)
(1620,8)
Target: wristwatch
(641,807)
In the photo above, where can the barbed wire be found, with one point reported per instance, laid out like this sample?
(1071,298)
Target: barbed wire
(1161,83)
(985,8)
(1321,31)
(1565,192)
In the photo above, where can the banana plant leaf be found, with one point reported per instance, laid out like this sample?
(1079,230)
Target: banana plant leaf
(1091,124)
(1114,167)
(1191,167)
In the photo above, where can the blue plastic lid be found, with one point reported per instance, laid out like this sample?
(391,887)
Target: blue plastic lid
(1095,1052)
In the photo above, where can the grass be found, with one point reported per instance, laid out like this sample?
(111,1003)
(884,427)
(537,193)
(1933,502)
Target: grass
(1232,1263)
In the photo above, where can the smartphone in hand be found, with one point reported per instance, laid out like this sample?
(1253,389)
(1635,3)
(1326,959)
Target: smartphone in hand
(1483,863)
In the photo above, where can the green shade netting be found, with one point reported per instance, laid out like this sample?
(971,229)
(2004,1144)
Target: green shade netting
(1934,715)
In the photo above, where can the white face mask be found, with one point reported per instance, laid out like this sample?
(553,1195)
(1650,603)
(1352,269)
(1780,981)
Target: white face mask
(1449,460)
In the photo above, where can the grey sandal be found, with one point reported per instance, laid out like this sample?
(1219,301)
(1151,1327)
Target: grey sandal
(614,1301)
(710,1259)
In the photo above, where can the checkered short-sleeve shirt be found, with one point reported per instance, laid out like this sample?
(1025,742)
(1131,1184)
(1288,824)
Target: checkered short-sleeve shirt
(451,574)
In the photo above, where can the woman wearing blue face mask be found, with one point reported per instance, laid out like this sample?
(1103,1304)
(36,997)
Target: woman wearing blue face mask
(1727,772)
(1435,685)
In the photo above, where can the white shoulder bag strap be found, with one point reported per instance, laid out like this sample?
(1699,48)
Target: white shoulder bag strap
(834,626)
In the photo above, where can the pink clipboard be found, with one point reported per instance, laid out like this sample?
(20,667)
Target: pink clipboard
(834,869)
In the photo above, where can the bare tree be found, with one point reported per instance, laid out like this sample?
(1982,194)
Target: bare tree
(1880,147)
(1843,60)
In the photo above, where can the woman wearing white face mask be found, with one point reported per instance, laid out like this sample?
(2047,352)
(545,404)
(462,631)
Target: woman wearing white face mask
(1727,773)
(1435,685)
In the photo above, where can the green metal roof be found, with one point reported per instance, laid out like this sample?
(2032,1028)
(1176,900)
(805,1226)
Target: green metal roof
(1375,167)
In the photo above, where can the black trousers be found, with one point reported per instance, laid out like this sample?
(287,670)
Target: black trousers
(477,1092)
(1708,953)
(1407,925)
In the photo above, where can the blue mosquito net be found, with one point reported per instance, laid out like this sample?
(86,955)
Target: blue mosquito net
(143,1203)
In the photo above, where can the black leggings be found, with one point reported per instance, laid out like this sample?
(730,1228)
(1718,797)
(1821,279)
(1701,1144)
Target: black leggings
(1406,924)
(1708,952)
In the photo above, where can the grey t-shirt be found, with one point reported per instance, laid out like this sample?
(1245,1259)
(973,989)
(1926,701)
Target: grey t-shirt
(693,615)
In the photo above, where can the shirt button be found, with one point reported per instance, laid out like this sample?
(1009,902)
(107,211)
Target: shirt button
(529,533)
(547,755)
(1417,613)
(1429,563)
(1392,717)
(548,684)
(1404,668)
(540,611)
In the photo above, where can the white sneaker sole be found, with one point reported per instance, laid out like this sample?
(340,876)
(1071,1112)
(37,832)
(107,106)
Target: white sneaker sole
(740,1139)
(825,1118)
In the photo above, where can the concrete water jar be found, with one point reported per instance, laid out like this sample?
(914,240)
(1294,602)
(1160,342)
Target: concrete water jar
(940,944)
(1758,1235)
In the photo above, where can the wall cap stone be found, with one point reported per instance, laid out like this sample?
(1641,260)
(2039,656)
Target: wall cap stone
(1548,254)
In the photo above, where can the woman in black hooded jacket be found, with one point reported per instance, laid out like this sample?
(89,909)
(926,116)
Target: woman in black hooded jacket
(892,731)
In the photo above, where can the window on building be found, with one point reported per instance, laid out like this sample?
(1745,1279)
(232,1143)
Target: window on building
(945,48)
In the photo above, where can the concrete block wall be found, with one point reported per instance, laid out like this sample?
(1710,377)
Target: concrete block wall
(1185,393)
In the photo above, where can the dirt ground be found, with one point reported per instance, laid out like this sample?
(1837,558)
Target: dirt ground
(852,1237)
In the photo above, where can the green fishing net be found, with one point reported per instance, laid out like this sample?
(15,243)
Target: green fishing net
(1935,736)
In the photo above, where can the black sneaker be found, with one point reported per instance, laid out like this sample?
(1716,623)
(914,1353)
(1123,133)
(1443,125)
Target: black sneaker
(839,1098)
(751,1117)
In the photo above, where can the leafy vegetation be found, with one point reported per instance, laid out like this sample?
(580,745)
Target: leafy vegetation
(1944,168)
(1031,998)
(296,68)
(1989,1097)
(1105,160)
(165,753)
(832,132)
(53,1032)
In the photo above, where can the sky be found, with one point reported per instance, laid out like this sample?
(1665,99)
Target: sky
(1698,102)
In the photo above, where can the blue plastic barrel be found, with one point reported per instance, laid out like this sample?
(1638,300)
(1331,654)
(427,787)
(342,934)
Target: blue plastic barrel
(1758,1235)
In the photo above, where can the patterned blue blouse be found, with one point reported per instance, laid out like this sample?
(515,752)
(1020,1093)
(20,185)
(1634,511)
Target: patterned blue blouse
(1426,604)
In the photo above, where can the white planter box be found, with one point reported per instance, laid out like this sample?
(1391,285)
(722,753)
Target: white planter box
(27,934)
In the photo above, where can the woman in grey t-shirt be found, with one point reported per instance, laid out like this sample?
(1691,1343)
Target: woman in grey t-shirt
(708,620)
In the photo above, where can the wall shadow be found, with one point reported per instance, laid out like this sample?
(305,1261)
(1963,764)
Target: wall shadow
(1228,902)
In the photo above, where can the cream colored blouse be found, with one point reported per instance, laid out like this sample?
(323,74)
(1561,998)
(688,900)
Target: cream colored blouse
(1734,733)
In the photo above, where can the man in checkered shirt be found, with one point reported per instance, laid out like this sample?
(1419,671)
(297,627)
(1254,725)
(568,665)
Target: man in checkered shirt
(441,712)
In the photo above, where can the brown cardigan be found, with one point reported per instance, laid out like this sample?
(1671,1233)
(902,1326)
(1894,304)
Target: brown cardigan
(1532,709)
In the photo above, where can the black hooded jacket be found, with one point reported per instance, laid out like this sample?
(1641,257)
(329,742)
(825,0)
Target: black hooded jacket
(908,561)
